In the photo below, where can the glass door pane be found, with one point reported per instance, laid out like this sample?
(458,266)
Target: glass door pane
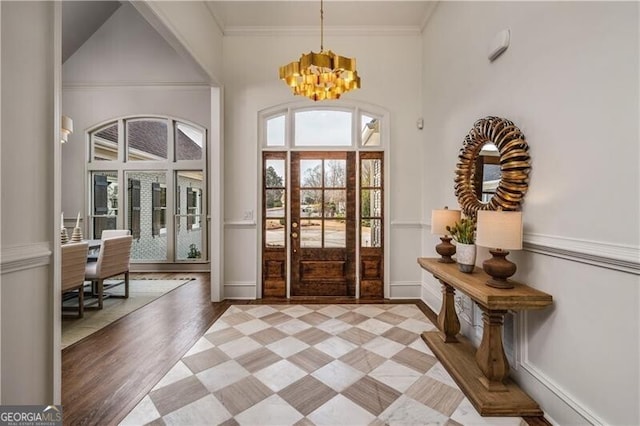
(146,214)
(189,220)
(104,209)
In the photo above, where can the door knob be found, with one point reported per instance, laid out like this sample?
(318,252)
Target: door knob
(294,235)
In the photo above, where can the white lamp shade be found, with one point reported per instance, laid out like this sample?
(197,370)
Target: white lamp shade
(499,229)
(442,218)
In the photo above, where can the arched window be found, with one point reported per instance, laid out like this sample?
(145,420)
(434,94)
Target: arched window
(147,174)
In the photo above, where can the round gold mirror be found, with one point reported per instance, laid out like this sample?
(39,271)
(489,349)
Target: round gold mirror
(493,167)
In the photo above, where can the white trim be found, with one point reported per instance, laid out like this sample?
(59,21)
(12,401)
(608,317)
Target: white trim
(21,257)
(164,85)
(405,284)
(215,215)
(240,224)
(56,269)
(620,257)
(554,387)
(240,284)
(406,224)
(265,31)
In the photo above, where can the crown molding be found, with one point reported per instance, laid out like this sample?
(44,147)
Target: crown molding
(315,31)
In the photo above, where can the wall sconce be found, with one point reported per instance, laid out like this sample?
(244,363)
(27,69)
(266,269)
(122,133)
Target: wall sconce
(500,231)
(66,128)
(440,219)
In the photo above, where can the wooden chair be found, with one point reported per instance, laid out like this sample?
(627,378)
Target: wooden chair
(113,260)
(74,259)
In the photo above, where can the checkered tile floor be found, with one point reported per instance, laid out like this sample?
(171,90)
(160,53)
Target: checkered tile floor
(311,364)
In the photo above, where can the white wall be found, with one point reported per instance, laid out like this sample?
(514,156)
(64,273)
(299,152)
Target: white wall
(570,82)
(125,68)
(27,142)
(251,63)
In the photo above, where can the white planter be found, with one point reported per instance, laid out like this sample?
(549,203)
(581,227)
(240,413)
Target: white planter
(466,257)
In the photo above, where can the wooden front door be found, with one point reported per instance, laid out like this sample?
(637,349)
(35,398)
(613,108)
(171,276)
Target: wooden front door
(323,223)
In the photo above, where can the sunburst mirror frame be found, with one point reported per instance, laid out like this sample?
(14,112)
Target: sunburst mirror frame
(515,165)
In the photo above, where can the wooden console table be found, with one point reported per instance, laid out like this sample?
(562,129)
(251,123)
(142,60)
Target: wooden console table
(482,374)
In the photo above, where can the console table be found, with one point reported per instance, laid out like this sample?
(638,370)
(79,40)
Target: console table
(482,374)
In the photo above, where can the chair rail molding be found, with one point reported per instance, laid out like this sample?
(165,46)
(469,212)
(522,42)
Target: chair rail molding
(27,256)
(620,257)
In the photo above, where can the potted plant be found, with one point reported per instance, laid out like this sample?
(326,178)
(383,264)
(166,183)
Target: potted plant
(463,232)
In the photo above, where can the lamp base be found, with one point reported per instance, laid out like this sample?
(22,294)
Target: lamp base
(499,269)
(445,249)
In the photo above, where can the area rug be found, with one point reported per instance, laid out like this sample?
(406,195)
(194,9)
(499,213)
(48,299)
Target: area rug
(141,292)
(311,364)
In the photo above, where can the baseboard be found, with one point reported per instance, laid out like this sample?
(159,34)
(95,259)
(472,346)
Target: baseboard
(404,290)
(27,256)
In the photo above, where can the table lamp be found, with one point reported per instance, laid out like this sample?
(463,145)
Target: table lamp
(500,231)
(440,219)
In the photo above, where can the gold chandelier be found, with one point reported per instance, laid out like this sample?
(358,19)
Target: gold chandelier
(323,75)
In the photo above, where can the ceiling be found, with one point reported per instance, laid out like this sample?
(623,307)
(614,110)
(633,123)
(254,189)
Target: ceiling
(80,19)
(235,15)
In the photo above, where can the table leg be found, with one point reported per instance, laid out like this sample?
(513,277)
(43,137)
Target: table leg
(490,355)
(448,321)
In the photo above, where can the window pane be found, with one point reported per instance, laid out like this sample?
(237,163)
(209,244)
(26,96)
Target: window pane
(275,131)
(274,174)
(189,142)
(275,202)
(371,203)
(335,233)
(311,203)
(189,203)
(105,143)
(189,241)
(105,201)
(370,131)
(371,233)
(311,173)
(335,203)
(147,140)
(274,232)
(371,172)
(144,219)
(335,172)
(323,128)
(310,233)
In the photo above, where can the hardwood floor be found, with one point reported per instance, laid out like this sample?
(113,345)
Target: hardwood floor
(105,375)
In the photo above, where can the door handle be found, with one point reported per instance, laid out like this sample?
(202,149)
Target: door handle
(294,235)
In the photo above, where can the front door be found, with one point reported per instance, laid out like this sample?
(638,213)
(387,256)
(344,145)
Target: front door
(310,224)
(322,238)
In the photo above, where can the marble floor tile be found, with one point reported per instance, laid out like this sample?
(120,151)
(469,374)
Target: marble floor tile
(205,411)
(335,346)
(287,346)
(337,375)
(341,411)
(395,375)
(351,364)
(222,375)
(280,375)
(273,411)
(307,394)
